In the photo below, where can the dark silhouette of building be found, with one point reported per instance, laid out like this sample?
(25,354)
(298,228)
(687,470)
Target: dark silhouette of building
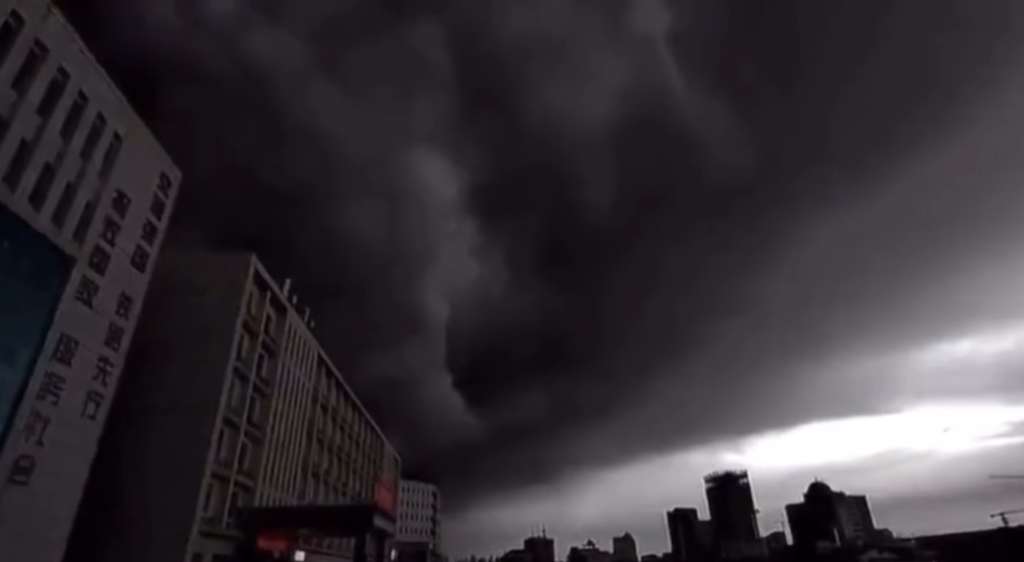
(733,515)
(827,517)
(776,541)
(589,552)
(516,555)
(731,504)
(624,549)
(540,549)
(1005,544)
(691,539)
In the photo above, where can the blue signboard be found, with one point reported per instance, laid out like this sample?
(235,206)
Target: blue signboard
(33,274)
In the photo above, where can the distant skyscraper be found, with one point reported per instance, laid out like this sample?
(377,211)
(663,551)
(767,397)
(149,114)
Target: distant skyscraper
(827,517)
(589,552)
(419,515)
(731,504)
(624,549)
(854,515)
(541,549)
(688,540)
(733,516)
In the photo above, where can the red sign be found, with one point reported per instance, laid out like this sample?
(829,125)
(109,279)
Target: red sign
(273,541)
(384,496)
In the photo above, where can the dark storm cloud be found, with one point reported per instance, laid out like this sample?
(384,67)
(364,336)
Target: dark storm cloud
(511,218)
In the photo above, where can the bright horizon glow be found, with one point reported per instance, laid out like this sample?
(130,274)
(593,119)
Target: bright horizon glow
(977,347)
(934,429)
(913,451)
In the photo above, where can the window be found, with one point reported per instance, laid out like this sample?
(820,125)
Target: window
(233,503)
(269,323)
(242,349)
(99,125)
(244,456)
(54,92)
(67,198)
(256,410)
(10,30)
(221,445)
(29,68)
(110,157)
(85,221)
(74,117)
(237,394)
(18,164)
(254,303)
(209,497)
(261,365)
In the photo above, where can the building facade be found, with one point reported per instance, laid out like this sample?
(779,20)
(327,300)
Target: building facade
(829,518)
(733,515)
(540,549)
(229,402)
(419,514)
(624,549)
(589,552)
(690,538)
(86,193)
(731,505)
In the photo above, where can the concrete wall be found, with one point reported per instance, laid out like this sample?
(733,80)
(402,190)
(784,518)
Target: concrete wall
(147,482)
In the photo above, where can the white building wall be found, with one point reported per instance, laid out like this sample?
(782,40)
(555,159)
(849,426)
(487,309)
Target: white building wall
(419,513)
(107,208)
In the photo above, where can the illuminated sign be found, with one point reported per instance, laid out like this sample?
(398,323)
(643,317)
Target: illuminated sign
(384,496)
(385,492)
(273,541)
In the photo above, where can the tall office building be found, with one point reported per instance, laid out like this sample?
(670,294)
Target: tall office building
(731,504)
(228,401)
(829,518)
(690,538)
(85,196)
(733,515)
(540,549)
(419,515)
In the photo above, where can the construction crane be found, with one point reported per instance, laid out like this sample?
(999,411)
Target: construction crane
(1001,515)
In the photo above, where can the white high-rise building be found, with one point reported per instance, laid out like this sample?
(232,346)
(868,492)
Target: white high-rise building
(419,514)
(86,193)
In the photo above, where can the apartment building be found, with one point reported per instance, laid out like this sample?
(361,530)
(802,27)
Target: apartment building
(229,401)
(419,515)
(85,197)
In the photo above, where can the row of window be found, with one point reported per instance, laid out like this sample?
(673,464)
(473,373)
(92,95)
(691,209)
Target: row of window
(284,475)
(244,353)
(14,172)
(255,306)
(228,441)
(221,502)
(338,442)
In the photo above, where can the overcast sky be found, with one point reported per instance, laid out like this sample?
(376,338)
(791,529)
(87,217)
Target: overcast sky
(574,254)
